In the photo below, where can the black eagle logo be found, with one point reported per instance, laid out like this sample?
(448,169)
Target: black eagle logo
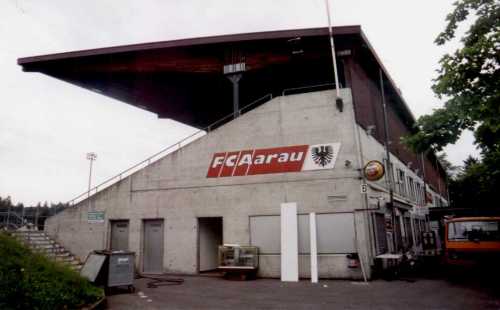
(322,155)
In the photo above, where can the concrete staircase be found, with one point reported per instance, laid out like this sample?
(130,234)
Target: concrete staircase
(39,242)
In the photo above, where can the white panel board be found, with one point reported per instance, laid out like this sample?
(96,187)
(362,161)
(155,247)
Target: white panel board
(289,243)
(314,248)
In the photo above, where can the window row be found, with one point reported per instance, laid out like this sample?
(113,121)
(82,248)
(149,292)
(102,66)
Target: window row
(407,186)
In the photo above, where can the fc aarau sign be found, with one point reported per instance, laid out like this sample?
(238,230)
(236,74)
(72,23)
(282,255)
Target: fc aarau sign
(293,158)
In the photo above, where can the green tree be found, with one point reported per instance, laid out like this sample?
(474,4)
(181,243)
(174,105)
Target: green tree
(469,82)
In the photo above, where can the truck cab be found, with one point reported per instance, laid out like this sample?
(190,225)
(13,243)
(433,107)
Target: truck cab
(472,240)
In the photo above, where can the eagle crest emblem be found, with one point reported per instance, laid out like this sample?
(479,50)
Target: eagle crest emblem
(322,155)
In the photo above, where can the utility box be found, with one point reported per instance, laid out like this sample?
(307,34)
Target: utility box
(234,258)
(111,268)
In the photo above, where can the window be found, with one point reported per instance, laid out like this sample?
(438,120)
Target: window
(474,230)
(411,188)
(419,194)
(401,182)
(396,180)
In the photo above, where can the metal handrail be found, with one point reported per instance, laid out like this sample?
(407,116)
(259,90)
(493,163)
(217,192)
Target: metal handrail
(241,111)
(148,160)
(178,144)
(309,87)
(8,222)
(94,190)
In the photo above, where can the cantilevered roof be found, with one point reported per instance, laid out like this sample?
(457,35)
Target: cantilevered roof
(183,79)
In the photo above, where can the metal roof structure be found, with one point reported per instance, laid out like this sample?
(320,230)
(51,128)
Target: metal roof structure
(183,79)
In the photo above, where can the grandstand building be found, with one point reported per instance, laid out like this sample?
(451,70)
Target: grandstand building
(271,132)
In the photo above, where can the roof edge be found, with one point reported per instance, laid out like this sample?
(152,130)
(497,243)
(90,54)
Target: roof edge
(227,38)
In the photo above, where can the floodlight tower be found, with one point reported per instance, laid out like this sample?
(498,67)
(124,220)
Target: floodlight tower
(91,157)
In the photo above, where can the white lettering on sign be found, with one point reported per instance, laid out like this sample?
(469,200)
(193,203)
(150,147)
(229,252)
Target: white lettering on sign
(122,260)
(218,161)
(245,160)
(230,160)
(274,160)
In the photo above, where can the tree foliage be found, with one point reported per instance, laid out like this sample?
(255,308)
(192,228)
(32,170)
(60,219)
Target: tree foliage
(469,81)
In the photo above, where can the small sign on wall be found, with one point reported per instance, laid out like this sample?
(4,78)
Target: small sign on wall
(95,217)
(364,188)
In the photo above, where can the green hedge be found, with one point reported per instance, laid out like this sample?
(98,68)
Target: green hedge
(31,281)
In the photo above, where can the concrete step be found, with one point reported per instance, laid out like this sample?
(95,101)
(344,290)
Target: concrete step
(73,262)
(45,246)
(45,241)
(39,242)
(36,238)
(76,268)
(27,233)
(64,258)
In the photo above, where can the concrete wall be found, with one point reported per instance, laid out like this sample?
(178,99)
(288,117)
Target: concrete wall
(176,189)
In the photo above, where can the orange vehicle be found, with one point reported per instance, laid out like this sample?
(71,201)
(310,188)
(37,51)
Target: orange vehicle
(472,240)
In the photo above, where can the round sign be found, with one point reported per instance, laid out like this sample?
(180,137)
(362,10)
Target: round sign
(374,170)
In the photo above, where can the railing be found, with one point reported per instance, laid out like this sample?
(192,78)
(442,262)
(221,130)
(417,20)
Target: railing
(171,148)
(11,220)
(193,137)
(306,89)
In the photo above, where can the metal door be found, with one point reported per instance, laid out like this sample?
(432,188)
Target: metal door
(153,246)
(119,235)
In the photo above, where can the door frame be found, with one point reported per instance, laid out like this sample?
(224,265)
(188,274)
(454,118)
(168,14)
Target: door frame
(143,243)
(198,237)
(109,231)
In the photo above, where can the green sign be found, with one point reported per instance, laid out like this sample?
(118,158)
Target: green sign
(95,217)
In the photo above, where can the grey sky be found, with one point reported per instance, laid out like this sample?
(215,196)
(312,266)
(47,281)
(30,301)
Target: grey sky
(47,126)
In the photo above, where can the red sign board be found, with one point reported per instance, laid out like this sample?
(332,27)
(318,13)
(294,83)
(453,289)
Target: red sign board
(273,160)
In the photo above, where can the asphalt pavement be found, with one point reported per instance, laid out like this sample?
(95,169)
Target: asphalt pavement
(210,292)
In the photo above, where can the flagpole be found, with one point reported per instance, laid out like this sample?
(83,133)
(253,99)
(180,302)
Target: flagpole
(332,45)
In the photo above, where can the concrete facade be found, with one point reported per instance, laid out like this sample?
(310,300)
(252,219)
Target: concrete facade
(176,189)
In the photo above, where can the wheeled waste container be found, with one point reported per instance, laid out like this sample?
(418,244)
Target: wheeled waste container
(116,268)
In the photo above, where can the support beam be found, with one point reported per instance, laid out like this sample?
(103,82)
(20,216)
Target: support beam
(235,79)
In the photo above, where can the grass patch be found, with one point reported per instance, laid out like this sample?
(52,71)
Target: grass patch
(30,280)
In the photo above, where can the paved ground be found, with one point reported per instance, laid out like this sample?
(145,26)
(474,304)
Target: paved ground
(217,293)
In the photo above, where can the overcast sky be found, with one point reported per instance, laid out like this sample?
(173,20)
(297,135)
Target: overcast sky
(47,126)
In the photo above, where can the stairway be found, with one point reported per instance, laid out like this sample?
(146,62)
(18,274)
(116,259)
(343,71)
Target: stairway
(39,242)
